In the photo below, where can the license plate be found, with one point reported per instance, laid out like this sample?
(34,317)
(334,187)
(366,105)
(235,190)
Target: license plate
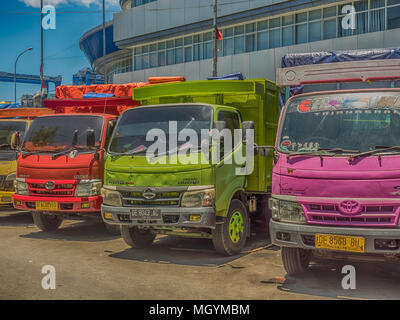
(147,214)
(343,243)
(47,205)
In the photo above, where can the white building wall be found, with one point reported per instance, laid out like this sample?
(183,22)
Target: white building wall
(263,64)
(166,14)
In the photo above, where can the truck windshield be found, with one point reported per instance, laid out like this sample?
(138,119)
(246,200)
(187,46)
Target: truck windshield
(134,125)
(358,122)
(55,133)
(7,128)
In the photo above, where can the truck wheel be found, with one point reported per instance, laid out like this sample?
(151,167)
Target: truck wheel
(113,228)
(46,222)
(295,260)
(230,236)
(136,237)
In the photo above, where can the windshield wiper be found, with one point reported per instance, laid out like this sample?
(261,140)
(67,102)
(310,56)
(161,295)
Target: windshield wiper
(131,152)
(377,149)
(321,152)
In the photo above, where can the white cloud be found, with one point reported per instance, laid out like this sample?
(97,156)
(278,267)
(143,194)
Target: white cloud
(86,3)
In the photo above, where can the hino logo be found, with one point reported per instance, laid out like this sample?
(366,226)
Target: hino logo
(350,207)
(148,194)
(50,185)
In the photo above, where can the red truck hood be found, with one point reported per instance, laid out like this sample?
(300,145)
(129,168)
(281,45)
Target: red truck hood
(83,166)
(330,177)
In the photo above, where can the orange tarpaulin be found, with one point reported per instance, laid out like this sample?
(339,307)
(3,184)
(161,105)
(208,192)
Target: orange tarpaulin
(119,90)
(25,112)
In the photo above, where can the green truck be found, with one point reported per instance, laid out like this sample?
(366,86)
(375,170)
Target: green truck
(157,182)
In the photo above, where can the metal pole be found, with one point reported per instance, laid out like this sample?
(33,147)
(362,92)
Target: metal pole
(215,51)
(41,53)
(104,37)
(15,73)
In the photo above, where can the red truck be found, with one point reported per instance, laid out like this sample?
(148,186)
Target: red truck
(60,165)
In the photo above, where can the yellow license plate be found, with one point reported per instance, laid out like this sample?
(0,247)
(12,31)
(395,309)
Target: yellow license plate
(343,243)
(47,205)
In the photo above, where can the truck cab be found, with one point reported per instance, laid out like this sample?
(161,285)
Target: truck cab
(336,174)
(8,157)
(60,167)
(177,190)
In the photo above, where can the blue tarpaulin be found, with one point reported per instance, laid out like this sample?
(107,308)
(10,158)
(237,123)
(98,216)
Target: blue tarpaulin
(98,95)
(9,105)
(232,76)
(301,59)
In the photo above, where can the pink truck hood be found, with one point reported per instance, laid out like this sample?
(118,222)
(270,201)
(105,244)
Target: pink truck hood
(365,177)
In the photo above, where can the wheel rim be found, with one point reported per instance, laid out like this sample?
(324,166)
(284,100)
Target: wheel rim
(236,226)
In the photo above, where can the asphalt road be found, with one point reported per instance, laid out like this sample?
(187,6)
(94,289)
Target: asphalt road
(92,264)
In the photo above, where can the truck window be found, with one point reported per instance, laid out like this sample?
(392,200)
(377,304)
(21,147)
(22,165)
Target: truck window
(231,119)
(110,129)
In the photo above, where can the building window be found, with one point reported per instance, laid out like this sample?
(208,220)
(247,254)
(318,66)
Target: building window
(137,3)
(393,12)
(289,29)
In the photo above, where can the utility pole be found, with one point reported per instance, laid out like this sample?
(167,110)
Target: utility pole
(104,37)
(215,51)
(41,52)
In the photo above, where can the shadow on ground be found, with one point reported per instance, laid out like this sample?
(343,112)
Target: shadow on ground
(10,217)
(192,252)
(324,279)
(91,231)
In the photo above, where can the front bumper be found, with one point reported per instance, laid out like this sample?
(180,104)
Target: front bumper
(301,235)
(170,217)
(65,205)
(6,197)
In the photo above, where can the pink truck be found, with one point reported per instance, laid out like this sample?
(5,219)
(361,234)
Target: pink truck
(336,173)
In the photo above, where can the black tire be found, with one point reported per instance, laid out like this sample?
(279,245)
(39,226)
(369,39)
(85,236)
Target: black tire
(46,222)
(221,237)
(114,229)
(136,237)
(295,260)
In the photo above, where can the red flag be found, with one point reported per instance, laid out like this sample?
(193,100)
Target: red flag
(41,72)
(219,35)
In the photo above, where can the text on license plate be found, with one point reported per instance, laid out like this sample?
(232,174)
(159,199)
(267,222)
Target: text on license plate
(47,205)
(145,213)
(337,242)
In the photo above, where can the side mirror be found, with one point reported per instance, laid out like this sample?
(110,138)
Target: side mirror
(246,125)
(219,125)
(90,138)
(15,140)
(75,138)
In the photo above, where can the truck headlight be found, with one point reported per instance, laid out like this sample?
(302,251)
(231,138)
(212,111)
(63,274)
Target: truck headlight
(111,197)
(287,211)
(21,187)
(88,188)
(203,198)
(9,182)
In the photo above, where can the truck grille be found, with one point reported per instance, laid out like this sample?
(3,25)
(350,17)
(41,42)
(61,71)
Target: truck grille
(60,189)
(370,215)
(136,199)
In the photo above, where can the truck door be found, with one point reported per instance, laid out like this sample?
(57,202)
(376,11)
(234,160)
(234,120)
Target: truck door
(226,179)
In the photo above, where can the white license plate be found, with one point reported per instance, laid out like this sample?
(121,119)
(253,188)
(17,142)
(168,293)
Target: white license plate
(146,214)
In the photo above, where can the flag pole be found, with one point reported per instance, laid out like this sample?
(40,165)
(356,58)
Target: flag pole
(215,51)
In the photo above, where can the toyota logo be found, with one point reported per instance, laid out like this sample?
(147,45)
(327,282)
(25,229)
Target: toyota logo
(50,185)
(149,194)
(349,207)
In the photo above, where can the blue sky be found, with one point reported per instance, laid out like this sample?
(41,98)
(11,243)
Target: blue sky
(20,29)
